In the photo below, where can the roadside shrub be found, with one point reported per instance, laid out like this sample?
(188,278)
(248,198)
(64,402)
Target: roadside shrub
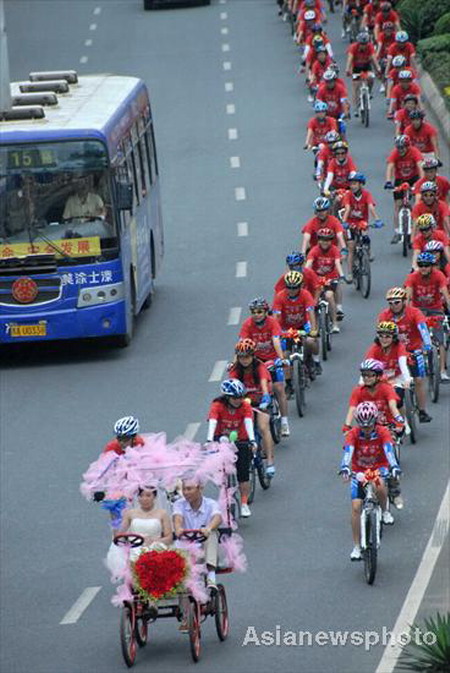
(442,25)
(437,64)
(432,45)
(418,17)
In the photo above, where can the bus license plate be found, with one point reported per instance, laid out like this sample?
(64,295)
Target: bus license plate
(28,330)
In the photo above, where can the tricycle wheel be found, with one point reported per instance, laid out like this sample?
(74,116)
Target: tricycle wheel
(221,612)
(127,631)
(141,630)
(194,629)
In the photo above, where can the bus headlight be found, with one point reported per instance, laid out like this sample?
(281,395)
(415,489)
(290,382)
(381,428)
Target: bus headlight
(103,294)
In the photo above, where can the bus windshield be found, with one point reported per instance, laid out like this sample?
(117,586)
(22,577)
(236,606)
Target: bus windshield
(55,198)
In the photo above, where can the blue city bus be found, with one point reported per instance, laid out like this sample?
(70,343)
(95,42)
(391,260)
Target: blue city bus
(81,236)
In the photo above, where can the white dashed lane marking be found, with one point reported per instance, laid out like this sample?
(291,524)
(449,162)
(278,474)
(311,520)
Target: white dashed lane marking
(225,47)
(229,86)
(223,16)
(88,43)
(218,370)
(232,134)
(242,228)
(191,431)
(93,26)
(224,30)
(240,194)
(231,109)
(84,59)
(234,317)
(226,65)
(235,162)
(241,269)
(80,605)
(97,11)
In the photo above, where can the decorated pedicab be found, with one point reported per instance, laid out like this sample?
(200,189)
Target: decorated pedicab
(158,581)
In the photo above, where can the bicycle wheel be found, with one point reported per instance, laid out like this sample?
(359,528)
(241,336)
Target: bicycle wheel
(127,634)
(410,410)
(141,631)
(194,629)
(356,270)
(299,384)
(264,480)
(371,551)
(404,228)
(434,375)
(252,480)
(366,277)
(323,333)
(221,613)
(275,421)
(365,102)
(328,330)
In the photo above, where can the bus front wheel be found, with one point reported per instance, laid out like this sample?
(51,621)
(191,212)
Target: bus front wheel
(124,340)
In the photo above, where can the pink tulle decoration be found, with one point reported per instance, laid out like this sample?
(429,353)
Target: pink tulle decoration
(122,594)
(233,550)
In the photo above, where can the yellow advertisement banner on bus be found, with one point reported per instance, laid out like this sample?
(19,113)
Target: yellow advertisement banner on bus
(74,247)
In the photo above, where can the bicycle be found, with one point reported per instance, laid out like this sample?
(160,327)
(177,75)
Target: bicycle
(411,411)
(325,325)
(353,25)
(363,96)
(371,522)
(258,469)
(433,360)
(404,218)
(295,344)
(274,410)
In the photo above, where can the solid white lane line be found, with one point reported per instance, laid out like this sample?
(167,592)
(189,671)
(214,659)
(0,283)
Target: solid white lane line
(93,26)
(84,59)
(88,43)
(218,370)
(225,47)
(224,30)
(223,16)
(235,162)
(242,228)
(232,134)
(226,65)
(241,269)
(191,431)
(229,86)
(234,317)
(231,109)
(419,585)
(97,10)
(80,605)
(240,194)
(222,2)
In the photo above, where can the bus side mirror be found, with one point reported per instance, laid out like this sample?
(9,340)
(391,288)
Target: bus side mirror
(124,196)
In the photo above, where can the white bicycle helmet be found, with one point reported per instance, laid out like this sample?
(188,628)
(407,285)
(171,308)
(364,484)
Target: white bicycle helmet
(128,426)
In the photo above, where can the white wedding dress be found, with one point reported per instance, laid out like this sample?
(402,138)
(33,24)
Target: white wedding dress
(117,556)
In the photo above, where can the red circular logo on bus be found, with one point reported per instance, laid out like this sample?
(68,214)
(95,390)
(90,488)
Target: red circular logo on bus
(24,290)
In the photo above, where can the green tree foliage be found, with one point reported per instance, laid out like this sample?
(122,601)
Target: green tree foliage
(434,44)
(424,656)
(419,17)
(442,25)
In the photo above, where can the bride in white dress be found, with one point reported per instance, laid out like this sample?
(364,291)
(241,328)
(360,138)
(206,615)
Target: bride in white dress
(147,520)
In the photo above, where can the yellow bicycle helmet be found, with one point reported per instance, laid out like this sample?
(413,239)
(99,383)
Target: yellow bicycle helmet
(387,327)
(293,279)
(426,221)
(396,293)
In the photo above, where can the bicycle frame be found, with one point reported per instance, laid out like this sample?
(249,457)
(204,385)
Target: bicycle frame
(370,504)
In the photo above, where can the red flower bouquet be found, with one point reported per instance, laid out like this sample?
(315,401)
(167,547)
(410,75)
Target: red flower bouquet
(160,574)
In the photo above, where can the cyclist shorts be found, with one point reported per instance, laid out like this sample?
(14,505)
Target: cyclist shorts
(357,69)
(277,375)
(417,365)
(401,395)
(398,196)
(356,489)
(350,235)
(244,458)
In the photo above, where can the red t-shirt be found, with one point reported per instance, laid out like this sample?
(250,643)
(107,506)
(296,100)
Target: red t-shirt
(230,419)
(359,206)
(442,183)
(419,240)
(427,290)
(390,16)
(405,49)
(114,445)
(362,54)
(385,40)
(369,451)
(333,97)
(325,155)
(421,138)
(254,390)
(262,335)
(293,312)
(398,93)
(324,261)
(320,129)
(389,358)
(394,73)
(310,282)
(340,172)
(382,394)
(439,210)
(314,224)
(402,118)
(407,324)
(406,166)
(318,68)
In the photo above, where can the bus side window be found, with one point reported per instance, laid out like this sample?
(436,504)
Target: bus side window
(148,156)
(153,149)
(124,171)
(145,171)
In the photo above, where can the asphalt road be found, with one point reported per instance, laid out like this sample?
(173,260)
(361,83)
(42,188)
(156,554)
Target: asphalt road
(58,403)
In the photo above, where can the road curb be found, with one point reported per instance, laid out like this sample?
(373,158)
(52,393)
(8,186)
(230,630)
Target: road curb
(435,101)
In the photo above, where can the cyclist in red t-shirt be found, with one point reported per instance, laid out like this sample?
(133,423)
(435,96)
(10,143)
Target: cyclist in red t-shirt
(385,38)
(442,183)
(404,164)
(339,169)
(334,94)
(426,228)
(423,135)
(401,117)
(295,261)
(265,331)
(126,430)
(414,334)
(392,353)
(405,86)
(429,203)
(324,156)
(257,380)
(325,259)
(361,58)
(369,447)
(319,126)
(401,47)
(232,413)
(393,74)
(386,13)
(359,207)
(315,71)
(322,219)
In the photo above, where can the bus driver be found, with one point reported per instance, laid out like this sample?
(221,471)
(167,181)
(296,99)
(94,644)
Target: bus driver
(84,203)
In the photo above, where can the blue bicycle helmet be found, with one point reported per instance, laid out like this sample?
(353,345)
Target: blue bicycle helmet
(233,388)
(295,258)
(321,203)
(401,36)
(128,426)
(357,177)
(426,259)
(320,106)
